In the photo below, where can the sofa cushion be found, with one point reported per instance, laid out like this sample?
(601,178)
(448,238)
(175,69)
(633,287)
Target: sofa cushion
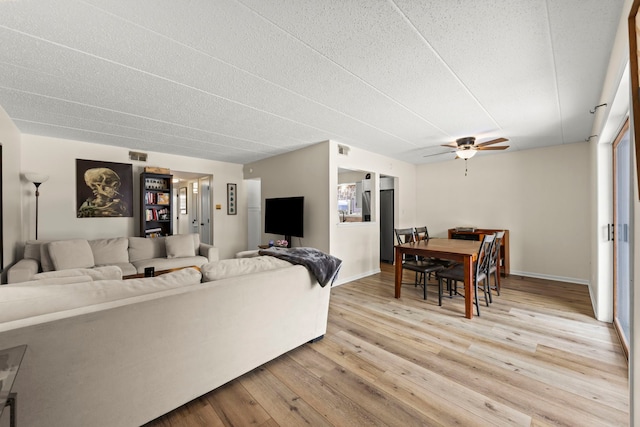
(32,249)
(97,273)
(145,248)
(248,254)
(75,253)
(18,302)
(168,263)
(180,245)
(53,281)
(110,251)
(225,268)
(46,264)
(126,267)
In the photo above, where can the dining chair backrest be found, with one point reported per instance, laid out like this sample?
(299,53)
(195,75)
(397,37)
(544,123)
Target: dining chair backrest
(495,251)
(406,235)
(484,256)
(422,233)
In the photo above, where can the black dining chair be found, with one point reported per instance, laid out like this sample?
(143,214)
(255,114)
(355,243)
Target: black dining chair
(422,267)
(456,274)
(422,233)
(494,263)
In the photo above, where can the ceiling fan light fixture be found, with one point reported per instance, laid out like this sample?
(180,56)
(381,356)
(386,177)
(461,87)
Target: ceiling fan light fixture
(465,154)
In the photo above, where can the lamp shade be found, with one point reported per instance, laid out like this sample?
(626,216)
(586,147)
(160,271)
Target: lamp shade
(36,178)
(466,154)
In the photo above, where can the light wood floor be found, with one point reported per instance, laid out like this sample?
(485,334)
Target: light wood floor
(536,357)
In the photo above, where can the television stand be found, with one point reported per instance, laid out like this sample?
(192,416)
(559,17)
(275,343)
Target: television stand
(287,238)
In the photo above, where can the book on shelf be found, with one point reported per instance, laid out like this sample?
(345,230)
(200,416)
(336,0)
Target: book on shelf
(157,214)
(153,232)
(163,198)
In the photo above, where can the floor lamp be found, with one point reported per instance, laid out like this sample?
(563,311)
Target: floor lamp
(37,179)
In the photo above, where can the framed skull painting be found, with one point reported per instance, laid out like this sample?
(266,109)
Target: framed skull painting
(103,189)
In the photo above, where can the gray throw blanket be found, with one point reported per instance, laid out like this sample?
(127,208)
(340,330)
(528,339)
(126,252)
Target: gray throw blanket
(323,266)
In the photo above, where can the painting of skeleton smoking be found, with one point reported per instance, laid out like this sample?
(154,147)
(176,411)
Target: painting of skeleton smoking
(103,189)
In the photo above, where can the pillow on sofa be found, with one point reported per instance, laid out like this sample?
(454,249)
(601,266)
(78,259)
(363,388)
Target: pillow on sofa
(110,251)
(66,254)
(225,268)
(107,272)
(141,248)
(45,260)
(180,245)
(32,248)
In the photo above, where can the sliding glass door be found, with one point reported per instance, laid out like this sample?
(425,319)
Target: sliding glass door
(622,198)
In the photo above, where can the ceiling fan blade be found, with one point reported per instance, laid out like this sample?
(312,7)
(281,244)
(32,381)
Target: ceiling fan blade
(451,145)
(438,154)
(493,141)
(501,147)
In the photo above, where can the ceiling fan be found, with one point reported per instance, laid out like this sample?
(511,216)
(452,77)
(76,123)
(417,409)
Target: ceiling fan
(465,148)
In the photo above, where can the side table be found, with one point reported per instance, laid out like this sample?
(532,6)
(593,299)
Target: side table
(10,360)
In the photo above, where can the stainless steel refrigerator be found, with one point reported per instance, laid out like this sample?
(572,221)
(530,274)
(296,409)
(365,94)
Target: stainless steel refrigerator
(386,226)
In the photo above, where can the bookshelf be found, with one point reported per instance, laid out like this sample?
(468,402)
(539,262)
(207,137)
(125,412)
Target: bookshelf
(155,205)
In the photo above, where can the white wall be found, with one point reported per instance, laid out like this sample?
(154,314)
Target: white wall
(11,191)
(56,158)
(541,196)
(254,213)
(358,244)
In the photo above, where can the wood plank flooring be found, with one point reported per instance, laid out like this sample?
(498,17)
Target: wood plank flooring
(535,357)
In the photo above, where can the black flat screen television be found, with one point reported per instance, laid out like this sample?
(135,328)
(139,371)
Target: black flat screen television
(284,215)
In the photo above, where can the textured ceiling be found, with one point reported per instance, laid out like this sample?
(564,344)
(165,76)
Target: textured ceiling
(242,80)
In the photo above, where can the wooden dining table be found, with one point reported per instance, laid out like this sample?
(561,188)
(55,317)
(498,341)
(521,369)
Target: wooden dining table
(462,251)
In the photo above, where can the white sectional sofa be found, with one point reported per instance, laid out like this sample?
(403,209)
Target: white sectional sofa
(131,254)
(124,352)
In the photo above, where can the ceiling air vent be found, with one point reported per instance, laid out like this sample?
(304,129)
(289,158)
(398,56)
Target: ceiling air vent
(135,155)
(343,150)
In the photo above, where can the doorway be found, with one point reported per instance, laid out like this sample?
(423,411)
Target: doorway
(193,213)
(387,219)
(622,214)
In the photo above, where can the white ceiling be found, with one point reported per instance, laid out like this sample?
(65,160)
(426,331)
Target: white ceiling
(242,80)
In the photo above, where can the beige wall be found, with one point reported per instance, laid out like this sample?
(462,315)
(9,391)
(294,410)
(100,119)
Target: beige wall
(57,219)
(541,196)
(304,172)
(11,190)
(313,173)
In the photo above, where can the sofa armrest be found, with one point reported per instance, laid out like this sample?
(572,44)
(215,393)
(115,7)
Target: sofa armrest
(23,270)
(211,252)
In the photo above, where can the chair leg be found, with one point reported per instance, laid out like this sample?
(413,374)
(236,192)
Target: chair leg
(424,284)
(497,282)
(476,298)
(440,291)
(487,292)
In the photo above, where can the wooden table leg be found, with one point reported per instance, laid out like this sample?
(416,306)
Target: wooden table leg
(468,291)
(398,268)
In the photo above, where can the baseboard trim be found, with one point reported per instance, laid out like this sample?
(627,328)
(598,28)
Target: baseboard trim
(343,280)
(551,277)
